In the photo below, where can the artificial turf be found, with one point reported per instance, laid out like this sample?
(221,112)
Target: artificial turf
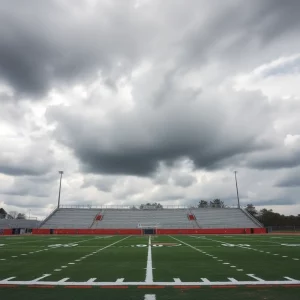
(78,262)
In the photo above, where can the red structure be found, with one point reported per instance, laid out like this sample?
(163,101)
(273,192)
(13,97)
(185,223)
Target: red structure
(122,231)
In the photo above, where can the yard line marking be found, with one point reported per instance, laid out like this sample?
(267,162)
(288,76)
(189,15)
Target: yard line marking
(9,278)
(177,280)
(289,278)
(150,297)
(284,256)
(205,282)
(71,263)
(295,258)
(232,279)
(232,266)
(39,278)
(120,280)
(149,271)
(3,259)
(91,279)
(196,249)
(257,278)
(64,279)
(240,270)
(249,248)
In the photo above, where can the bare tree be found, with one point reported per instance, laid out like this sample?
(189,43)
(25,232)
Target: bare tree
(13,214)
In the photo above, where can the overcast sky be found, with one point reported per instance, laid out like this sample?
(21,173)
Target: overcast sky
(149,101)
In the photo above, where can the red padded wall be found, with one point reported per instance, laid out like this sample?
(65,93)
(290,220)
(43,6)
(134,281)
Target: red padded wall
(158,231)
(40,231)
(99,231)
(6,232)
(211,231)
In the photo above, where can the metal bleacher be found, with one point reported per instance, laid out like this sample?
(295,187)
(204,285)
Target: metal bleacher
(124,218)
(223,218)
(18,223)
(139,218)
(71,218)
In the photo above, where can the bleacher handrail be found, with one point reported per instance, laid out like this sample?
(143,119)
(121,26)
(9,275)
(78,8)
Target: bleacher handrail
(130,207)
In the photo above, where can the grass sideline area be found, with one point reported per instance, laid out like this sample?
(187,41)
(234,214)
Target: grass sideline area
(157,267)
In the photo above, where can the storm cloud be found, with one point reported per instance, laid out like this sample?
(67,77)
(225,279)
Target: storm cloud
(146,101)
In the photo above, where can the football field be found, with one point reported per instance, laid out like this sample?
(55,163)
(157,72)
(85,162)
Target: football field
(150,267)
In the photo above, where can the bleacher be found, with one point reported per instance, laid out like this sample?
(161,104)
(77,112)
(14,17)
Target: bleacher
(19,223)
(71,218)
(223,218)
(141,218)
(126,218)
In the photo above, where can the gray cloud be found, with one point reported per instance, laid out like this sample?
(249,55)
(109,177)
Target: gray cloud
(276,158)
(278,201)
(58,43)
(290,179)
(27,161)
(102,183)
(184,180)
(137,141)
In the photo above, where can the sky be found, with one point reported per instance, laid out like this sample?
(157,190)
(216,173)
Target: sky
(149,101)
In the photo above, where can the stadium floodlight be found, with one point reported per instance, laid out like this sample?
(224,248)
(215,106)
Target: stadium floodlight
(61,173)
(237,190)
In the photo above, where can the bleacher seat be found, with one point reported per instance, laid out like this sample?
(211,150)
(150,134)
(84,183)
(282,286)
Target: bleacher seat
(161,218)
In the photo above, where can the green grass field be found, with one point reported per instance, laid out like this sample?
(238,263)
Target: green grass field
(160,267)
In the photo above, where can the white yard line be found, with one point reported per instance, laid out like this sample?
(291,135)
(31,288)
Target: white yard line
(149,269)
(9,278)
(205,253)
(46,249)
(42,277)
(256,278)
(91,254)
(150,297)
(205,282)
(248,248)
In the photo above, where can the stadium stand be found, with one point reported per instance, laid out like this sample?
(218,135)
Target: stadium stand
(19,223)
(142,218)
(223,218)
(71,218)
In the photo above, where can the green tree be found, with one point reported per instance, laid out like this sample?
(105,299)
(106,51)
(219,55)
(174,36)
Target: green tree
(251,210)
(217,203)
(202,203)
(21,216)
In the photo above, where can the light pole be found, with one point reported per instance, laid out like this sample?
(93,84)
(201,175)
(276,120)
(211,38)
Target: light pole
(237,189)
(61,173)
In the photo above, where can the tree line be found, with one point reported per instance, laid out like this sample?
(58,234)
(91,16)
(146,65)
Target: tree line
(11,215)
(217,203)
(270,218)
